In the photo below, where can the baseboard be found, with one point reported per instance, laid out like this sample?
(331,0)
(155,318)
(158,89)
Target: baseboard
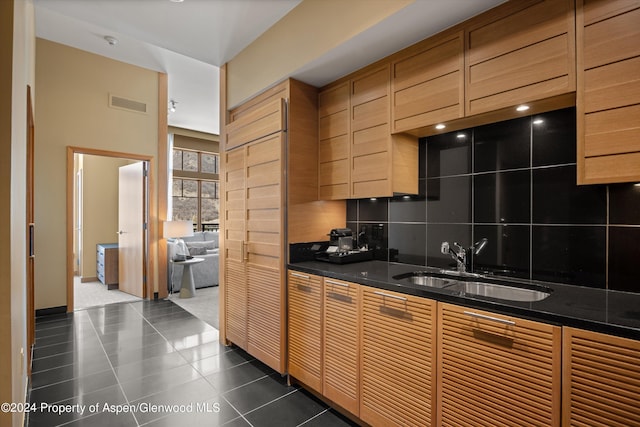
(51,311)
(88,279)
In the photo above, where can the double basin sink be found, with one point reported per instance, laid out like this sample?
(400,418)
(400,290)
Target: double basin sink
(473,285)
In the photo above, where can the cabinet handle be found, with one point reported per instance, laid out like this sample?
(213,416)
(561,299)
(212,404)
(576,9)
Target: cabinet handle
(245,251)
(384,295)
(331,282)
(301,276)
(493,319)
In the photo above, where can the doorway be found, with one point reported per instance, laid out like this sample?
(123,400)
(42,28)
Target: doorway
(95,229)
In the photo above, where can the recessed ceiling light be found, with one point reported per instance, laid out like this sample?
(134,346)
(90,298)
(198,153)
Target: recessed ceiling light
(111,40)
(440,126)
(522,108)
(538,121)
(176,1)
(461,135)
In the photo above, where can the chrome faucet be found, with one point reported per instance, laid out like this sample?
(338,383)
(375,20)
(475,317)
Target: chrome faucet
(464,256)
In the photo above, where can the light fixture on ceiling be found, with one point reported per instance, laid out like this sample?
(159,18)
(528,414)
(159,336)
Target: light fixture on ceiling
(176,1)
(538,121)
(440,126)
(111,40)
(522,108)
(172,106)
(461,136)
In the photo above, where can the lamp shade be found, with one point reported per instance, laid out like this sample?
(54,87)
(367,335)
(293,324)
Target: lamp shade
(176,229)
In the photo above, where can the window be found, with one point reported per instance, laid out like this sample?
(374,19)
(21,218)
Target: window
(196,189)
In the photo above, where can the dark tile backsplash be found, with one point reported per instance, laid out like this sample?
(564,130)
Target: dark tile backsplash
(514,183)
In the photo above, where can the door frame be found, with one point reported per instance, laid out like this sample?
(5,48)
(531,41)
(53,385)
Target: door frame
(150,258)
(30,236)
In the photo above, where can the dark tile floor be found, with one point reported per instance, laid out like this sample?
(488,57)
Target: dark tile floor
(152,363)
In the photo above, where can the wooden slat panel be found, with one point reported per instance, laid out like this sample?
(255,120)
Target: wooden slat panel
(236,303)
(264,330)
(334,125)
(494,374)
(264,120)
(612,131)
(398,359)
(305,328)
(334,192)
(610,169)
(540,21)
(332,173)
(371,140)
(333,100)
(370,86)
(371,167)
(370,113)
(341,346)
(377,188)
(333,149)
(612,40)
(541,61)
(601,379)
(612,86)
(598,10)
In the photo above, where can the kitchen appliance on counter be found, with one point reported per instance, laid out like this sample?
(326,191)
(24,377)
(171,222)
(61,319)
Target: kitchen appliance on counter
(340,249)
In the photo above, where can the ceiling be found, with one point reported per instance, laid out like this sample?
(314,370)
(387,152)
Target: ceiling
(189,40)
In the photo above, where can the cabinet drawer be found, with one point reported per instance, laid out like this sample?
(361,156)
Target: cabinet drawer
(497,370)
(398,359)
(305,328)
(341,343)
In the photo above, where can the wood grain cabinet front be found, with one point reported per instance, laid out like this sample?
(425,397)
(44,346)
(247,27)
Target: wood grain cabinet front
(398,359)
(521,52)
(497,370)
(305,328)
(601,380)
(333,111)
(608,95)
(428,83)
(341,382)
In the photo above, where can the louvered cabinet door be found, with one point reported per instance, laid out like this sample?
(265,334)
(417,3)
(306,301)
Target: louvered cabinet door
(497,370)
(305,328)
(601,384)
(341,343)
(398,359)
(235,286)
(264,252)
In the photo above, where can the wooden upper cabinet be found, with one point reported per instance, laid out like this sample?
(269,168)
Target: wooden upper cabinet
(521,52)
(333,108)
(428,83)
(398,359)
(601,379)
(497,370)
(608,95)
(262,120)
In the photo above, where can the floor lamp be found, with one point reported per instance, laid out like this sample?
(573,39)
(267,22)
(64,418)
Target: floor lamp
(175,230)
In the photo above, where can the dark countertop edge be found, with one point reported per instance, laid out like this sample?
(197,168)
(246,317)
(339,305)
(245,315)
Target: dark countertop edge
(493,306)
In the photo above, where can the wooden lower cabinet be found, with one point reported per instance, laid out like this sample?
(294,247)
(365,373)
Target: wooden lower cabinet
(601,380)
(497,370)
(341,366)
(305,328)
(398,359)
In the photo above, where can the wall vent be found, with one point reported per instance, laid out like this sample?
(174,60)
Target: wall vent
(127,104)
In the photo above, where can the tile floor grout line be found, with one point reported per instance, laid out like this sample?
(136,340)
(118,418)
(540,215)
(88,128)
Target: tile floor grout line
(236,409)
(269,403)
(313,418)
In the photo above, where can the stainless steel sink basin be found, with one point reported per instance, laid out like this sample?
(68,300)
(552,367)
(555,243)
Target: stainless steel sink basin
(473,287)
(422,279)
(503,292)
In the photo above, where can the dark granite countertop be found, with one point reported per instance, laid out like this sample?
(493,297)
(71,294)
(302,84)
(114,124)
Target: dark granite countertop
(599,310)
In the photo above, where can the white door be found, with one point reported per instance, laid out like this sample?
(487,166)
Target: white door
(131,235)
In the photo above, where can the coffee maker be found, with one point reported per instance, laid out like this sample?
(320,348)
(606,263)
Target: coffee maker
(340,250)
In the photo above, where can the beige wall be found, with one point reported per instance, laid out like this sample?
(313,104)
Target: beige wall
(309,31)
(100,210)
(72,110)
(17,37)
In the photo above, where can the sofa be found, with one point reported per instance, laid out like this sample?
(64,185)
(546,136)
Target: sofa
(203,244)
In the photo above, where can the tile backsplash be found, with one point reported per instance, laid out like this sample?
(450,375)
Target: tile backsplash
(513,182)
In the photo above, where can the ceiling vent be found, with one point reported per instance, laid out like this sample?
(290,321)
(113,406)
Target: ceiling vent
(127,104)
